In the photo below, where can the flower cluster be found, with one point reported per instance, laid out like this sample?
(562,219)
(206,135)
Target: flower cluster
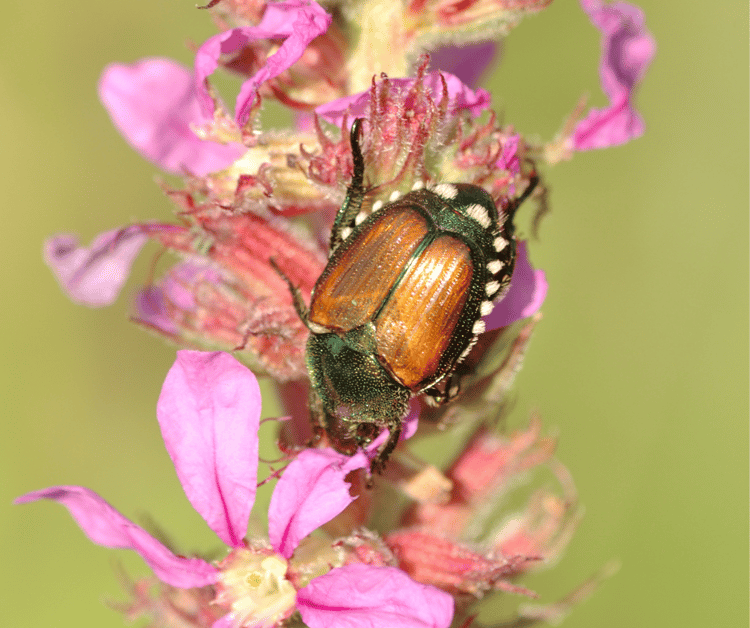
(254,214)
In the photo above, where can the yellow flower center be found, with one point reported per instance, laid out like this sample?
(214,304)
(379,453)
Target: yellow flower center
(255,587)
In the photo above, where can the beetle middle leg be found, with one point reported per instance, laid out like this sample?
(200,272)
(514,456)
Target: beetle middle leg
(450,390)
(297,300)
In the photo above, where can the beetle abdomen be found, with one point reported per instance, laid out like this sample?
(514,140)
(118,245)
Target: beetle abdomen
(419,320)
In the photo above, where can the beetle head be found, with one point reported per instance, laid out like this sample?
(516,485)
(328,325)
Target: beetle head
(358,398)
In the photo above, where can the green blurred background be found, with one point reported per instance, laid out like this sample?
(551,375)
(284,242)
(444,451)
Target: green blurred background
(640,363)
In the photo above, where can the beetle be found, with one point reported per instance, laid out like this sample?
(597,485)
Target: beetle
(400,303)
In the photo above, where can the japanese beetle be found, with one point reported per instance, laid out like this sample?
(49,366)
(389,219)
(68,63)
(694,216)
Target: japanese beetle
(400,303)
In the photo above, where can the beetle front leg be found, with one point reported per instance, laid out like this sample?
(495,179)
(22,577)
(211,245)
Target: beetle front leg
(355,192)
(517,202)
(317,417)
(394,432)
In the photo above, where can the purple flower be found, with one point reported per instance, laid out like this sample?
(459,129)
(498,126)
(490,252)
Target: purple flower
(467,62)
(627,50)
(297,22)
(209,411)
(154,104)
(94,275)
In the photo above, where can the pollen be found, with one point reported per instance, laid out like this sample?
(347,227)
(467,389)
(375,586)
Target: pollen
(255,588)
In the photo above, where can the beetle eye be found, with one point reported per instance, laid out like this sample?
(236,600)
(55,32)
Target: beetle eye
(366,432)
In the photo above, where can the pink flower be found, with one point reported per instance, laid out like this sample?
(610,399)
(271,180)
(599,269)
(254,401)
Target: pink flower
(226,294)
(627,50)
(297,22)
(487,468)
(154,104)
(209,411)
(153,304)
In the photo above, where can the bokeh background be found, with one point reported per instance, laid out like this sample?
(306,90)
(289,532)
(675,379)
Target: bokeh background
(640,364)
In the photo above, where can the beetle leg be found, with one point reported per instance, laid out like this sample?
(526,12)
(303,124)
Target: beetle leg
(355,193)
(516,202)
(297,300)
(436,397)
(317,416)
(394,432)
(533,182)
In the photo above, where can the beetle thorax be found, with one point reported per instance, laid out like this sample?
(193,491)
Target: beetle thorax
(358,397)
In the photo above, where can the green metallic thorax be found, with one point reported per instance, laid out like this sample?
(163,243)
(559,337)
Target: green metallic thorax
(351,383)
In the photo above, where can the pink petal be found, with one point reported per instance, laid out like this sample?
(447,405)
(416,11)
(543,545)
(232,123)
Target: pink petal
(627,50)
(105,526)
(311,492)
(155,305)
(297,22)
(508,158)
(209,411)
(460,97)
(151,310)
(95,275)
(153,103)
(527,292)
(375,597)
(228,621)
(409,425)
